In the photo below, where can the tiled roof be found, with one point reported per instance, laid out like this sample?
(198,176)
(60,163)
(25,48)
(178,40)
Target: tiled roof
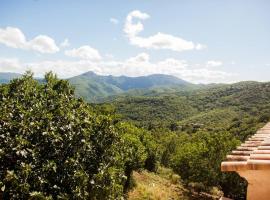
(254,154)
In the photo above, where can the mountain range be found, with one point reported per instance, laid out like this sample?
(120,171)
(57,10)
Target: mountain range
(5,77)
(94,87)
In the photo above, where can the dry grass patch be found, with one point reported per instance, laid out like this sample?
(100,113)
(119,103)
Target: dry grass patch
(151,186)
(166,185)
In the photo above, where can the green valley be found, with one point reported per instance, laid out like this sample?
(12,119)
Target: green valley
(187,129)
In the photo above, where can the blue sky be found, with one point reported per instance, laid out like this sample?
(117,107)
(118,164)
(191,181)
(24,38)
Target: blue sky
(199,41)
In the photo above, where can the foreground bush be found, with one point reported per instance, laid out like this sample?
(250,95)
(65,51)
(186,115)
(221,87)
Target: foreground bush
(54,146)
(198,160)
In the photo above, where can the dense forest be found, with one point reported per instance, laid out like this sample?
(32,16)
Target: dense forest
(56,145)
(196,129)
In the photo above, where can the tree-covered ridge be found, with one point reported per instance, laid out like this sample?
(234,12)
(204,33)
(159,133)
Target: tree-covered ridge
(195,129)
(238,100)
(95,87)
(55,146)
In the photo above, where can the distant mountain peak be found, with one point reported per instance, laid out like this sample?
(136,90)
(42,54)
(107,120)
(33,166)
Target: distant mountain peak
(89,73)
(92,73)
(91,85)
(5,77)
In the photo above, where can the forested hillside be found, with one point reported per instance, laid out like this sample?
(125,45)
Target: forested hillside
(195,129)
(95,87)
(197,106)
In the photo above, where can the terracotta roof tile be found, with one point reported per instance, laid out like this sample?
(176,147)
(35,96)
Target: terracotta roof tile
(254,154)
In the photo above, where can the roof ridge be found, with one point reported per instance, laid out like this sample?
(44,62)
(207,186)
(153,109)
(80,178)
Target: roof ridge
(253,154)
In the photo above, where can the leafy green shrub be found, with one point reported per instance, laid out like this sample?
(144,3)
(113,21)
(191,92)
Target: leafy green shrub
(139,148)
(197,159)
(54,146)
(197,186)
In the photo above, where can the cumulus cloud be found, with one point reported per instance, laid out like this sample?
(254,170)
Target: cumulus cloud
(43,44)
(139,65)
(140,58)
(156,41)
(84,52)
(131,28)
(10,65)
(205,75)
(65,43)
(14,37)
(173,64)
(213,63)
(114,20)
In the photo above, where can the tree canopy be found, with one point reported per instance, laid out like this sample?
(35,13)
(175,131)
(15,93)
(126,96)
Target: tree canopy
(55,146)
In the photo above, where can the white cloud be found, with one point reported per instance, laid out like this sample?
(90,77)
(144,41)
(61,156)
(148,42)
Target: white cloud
(139,65)
(132,29)
(156,41)
(200,47)
(63,68)
(205,75)
(109,56)
(65,43)
(43,44)
(173,64)
(213,63)
(14,37)
(10,65)
(114,20)
(84,52)
(140,58)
